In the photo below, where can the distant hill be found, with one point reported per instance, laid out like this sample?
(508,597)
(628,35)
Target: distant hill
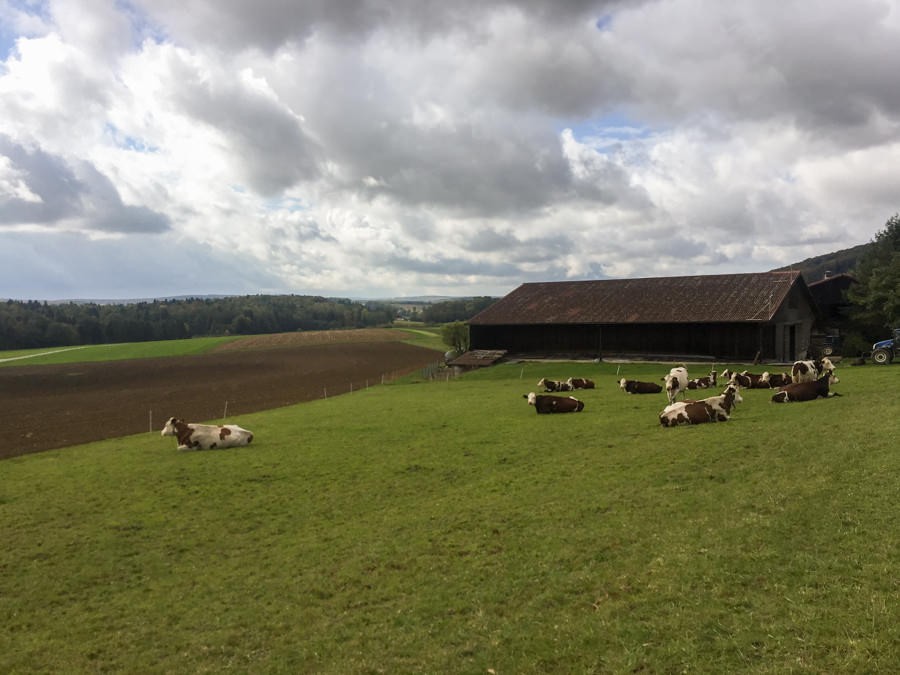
(838,262)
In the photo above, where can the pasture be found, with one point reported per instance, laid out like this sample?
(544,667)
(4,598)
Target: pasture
(445,527)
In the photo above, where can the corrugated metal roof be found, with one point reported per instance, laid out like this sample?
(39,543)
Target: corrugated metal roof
(719,298)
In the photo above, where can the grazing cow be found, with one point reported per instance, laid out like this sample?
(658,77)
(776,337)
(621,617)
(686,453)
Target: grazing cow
(777,379)
(808,371)
(807,391)
(554,385)
(637,387)
(703,382)
(206,436)
(676,381)
(553,404)
(580,383)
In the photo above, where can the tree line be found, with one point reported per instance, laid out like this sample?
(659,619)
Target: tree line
(29,324)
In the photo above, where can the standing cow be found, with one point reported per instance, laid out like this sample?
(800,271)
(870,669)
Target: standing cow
(676,382)
(808,371)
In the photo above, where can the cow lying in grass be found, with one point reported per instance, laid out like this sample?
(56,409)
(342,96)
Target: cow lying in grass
(553,404)
(807,391)
(711,409)
(554,385)
(580,383)
(206,436)
(638,387)
(704,382)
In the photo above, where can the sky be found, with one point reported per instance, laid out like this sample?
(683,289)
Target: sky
(395,148)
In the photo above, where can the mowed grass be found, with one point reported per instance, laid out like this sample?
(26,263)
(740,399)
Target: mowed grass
(445,527)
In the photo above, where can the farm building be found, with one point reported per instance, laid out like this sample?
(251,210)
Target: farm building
(830,294)
(768,315)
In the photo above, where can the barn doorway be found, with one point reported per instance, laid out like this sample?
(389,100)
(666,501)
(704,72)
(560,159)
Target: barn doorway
(790,353)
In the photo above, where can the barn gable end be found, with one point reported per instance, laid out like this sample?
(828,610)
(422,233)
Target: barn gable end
(728,316)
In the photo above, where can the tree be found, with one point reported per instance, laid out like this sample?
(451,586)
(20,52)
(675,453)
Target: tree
(877,295)
(456,335)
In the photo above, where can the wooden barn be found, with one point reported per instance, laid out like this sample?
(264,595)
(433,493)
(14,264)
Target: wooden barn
(739,317)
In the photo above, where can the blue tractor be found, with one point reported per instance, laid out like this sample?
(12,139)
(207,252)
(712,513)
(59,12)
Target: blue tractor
(884,352)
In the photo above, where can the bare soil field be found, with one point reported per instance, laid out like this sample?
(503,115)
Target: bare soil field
(49,407)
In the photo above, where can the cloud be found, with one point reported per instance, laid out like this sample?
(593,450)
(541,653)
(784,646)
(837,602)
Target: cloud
(390,146)
(37,188)
(265,137)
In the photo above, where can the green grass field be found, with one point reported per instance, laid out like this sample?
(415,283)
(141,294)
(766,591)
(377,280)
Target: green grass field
(423,337)
(110,352)
(444,527)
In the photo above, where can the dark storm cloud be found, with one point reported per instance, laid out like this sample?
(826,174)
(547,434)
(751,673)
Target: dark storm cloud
(268,24)
(468,171)
(60,191)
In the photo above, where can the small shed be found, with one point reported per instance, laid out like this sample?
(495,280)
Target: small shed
(767,315)
(476,358)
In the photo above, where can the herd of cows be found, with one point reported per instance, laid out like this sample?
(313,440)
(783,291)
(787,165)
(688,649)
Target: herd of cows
(807,381)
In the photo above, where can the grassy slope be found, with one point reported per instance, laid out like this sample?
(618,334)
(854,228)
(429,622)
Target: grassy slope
(425,337)
(111,352)
(445,527)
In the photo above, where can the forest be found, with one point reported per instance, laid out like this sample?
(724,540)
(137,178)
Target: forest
(29,324)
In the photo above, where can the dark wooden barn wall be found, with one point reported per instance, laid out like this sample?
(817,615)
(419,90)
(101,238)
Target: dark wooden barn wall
(737,341)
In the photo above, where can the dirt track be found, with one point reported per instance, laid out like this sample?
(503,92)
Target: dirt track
(56,406)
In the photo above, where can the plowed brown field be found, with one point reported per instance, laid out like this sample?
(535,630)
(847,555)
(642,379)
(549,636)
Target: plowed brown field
(56,406)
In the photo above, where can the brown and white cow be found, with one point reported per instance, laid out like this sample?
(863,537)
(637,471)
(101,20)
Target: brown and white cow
(753,380)
(721,405)
(695,412)
(808,371)
(206,436)
(580,383)
(703,382)
(777,379)
(637,387)
(807,391)
(676,382)
(554,385)
(553,404)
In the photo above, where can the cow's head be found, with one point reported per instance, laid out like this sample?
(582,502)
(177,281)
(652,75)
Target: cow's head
(531,396)
(171,427)
(622,383)
(735,391)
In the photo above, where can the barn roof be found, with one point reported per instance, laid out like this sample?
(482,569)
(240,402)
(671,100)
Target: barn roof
(720,298)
